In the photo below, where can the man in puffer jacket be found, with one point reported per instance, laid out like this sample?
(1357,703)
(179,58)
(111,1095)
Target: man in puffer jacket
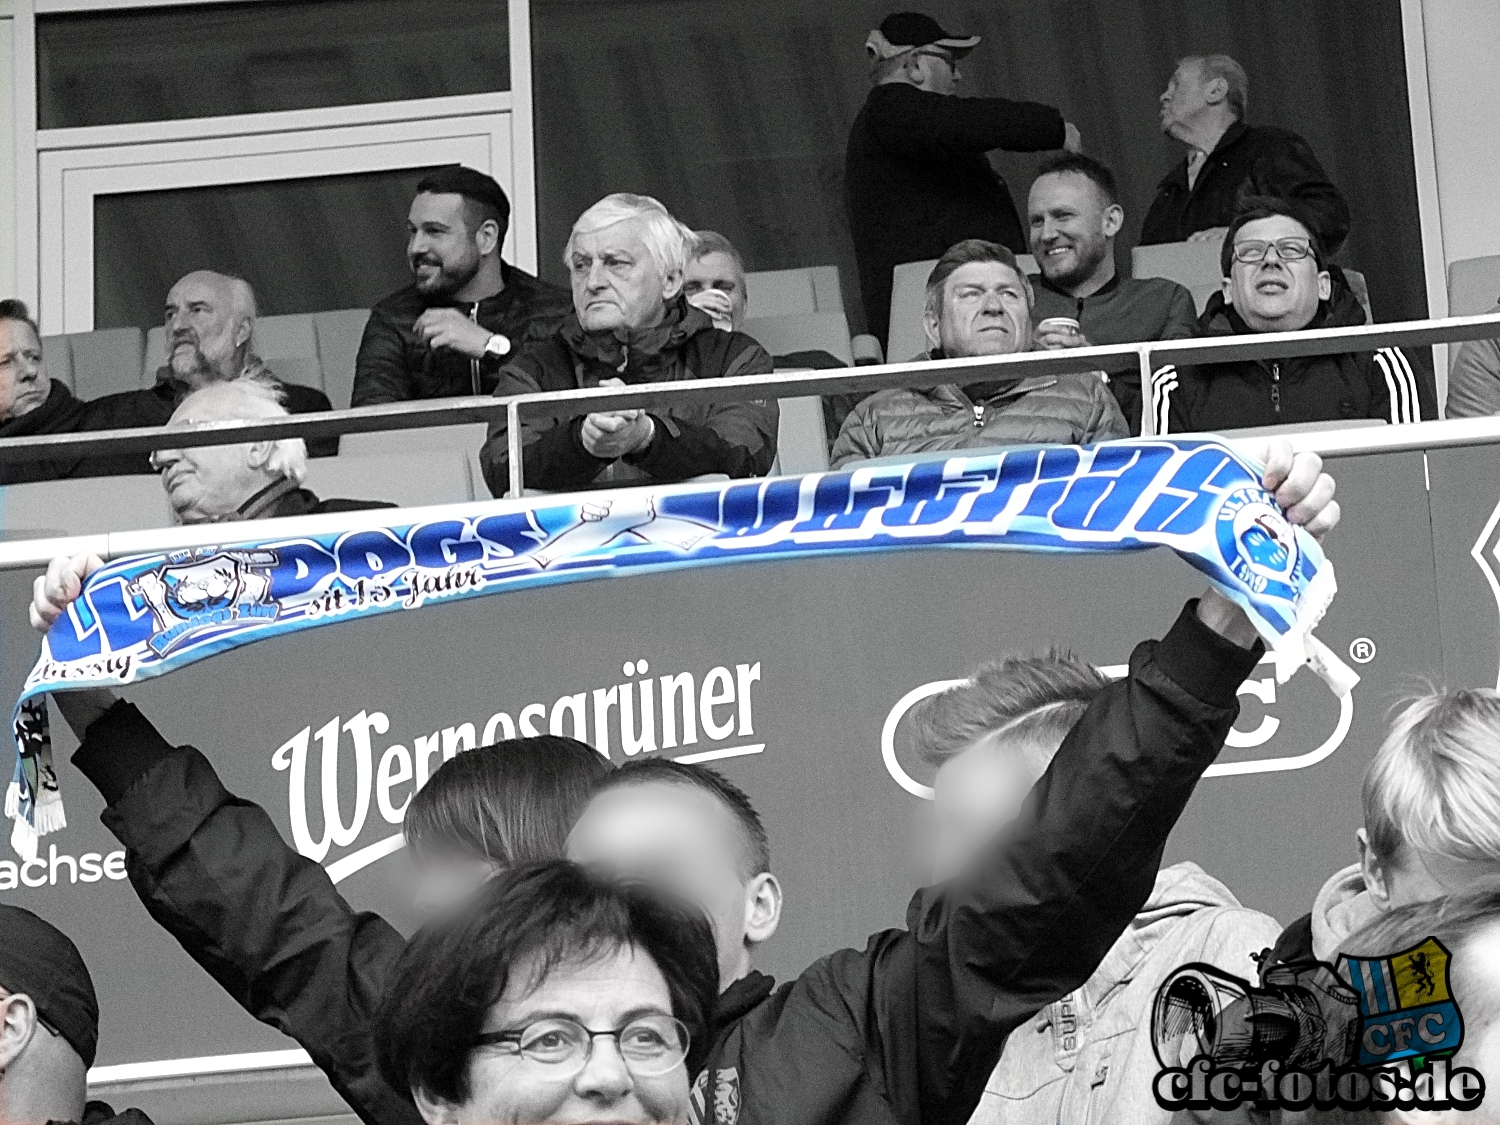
(979,304)
(1276,279)
(1086,1057)
(630,324)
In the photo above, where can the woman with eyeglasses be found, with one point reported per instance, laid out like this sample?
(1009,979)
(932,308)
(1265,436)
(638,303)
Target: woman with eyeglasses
(556,997)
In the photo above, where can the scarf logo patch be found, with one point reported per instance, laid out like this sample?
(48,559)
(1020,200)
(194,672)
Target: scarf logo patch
(204,590)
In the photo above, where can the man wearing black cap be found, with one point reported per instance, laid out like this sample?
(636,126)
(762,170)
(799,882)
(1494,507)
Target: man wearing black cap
(447,332)
(916,180)
(49,1027)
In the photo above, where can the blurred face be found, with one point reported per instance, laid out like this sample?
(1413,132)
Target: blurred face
(1072,227)
(206,483)
(1185,100)
(717,272)
(446,880)
(207,331)
(507,1088)
(616,282)
(443,253)
(976,793)
(984,311)
(1274,294)
(678,837)
(23,380)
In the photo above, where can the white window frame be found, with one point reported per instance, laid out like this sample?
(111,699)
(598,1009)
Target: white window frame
(60,172)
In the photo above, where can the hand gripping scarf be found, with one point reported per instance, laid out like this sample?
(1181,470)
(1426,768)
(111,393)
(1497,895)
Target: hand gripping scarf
(145,616)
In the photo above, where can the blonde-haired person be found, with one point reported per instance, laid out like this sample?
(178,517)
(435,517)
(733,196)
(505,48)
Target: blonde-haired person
(630,323)
(1432,820)
(244,481)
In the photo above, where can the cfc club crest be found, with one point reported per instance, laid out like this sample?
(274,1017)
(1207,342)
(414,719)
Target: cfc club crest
(1406,1007)
(206,589)
(721,1104)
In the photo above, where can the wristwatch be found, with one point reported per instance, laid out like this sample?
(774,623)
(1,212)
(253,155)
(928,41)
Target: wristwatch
(497,347)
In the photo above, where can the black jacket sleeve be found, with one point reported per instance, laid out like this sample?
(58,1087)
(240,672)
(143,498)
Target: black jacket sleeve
(1036,913)
(264,921)
(380,373)
(553,452)
(735,438)
(1402,387)
(1290,170)
(919,123)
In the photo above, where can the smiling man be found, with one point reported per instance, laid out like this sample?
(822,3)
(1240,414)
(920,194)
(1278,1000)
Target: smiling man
(631,324)
(1074,214)
(1276,280)
(448,332)
(979,303)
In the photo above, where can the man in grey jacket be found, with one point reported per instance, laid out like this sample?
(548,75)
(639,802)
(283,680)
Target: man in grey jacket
(979,304)
(1087,1056)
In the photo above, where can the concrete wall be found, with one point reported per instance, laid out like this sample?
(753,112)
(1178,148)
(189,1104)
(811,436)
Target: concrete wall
(1464,89)
(7,159)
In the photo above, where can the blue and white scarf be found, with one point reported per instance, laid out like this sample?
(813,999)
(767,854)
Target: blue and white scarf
(145,616)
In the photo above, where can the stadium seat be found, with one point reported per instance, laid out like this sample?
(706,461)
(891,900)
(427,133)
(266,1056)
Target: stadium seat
(58,357)
(801,437)
(411,479)
(810,289)
(107,362)
(1473,285)
(83,507)
(803,332)
(339,333)
(907,341)
(466,437)
(1194,265)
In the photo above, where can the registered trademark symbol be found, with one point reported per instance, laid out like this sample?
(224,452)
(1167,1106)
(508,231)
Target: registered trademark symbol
(1362,650)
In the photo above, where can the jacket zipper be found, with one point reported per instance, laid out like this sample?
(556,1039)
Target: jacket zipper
(474,363)
(978,417)
(1276,389)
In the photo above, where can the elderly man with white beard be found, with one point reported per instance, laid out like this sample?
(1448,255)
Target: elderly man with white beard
(630,325)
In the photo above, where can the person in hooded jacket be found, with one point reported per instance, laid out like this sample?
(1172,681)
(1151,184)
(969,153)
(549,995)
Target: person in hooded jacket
(1277,279)
(1087,1056)
(979,304)
(631,324)
(1431,801)
(49,1028)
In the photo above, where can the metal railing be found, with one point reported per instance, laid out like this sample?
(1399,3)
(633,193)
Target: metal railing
(566,404)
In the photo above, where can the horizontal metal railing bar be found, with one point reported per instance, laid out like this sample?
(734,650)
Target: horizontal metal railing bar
(786,384)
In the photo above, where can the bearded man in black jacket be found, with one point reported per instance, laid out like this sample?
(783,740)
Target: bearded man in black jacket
(446,334)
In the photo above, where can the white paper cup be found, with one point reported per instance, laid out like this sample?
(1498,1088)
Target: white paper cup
(1064,324)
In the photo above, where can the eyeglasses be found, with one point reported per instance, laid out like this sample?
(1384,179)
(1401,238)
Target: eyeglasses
(1254,250)
(650,1045)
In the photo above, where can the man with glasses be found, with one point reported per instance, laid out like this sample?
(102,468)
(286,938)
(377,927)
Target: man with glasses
(916,180)
(1276,279)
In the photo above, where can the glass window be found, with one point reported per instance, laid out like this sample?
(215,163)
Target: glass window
(161,64)
(328,242)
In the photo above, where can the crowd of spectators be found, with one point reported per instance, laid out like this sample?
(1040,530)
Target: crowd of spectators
(654,302)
